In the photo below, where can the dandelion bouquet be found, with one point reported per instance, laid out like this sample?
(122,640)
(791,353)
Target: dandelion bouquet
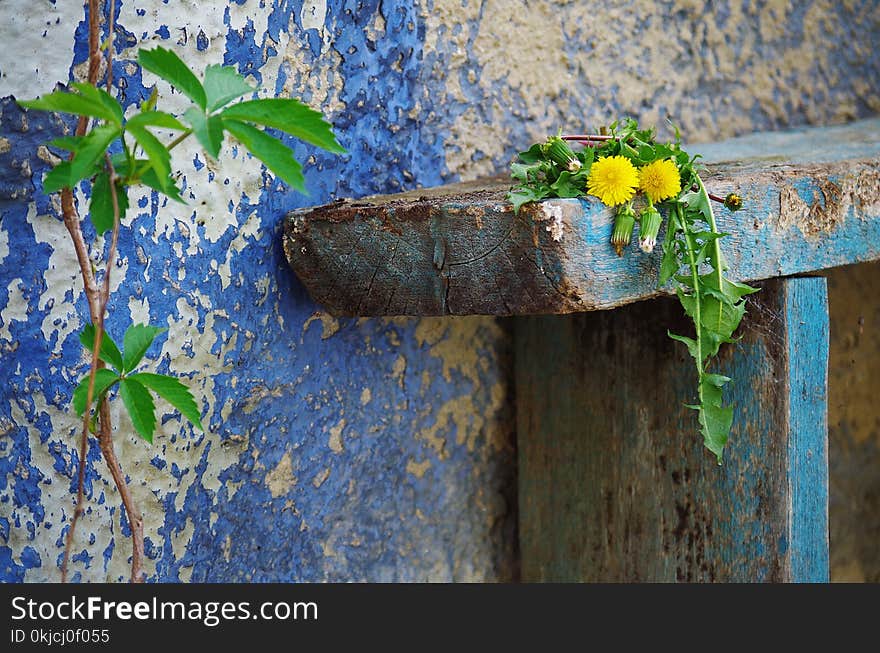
(643,179)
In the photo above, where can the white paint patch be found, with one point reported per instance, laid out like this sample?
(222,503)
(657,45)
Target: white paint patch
(554,213)
(4,244)
(15,310)
(313,13)
(38,37)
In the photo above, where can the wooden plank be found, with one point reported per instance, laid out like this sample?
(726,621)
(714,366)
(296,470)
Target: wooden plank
(812,201)
(614,483)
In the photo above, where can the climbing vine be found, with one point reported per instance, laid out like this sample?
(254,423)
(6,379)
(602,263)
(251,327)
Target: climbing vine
(628,169)
(109,153)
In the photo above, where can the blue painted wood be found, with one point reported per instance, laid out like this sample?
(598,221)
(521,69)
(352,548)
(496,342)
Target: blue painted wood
(807,327)
(811,201)
(614,482)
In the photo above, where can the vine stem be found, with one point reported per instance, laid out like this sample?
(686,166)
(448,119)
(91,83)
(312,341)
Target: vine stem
(97,300)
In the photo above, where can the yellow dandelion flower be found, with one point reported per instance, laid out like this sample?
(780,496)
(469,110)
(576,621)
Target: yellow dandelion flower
(660,180)
(613,179)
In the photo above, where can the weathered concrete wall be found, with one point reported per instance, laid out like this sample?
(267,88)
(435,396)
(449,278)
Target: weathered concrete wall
(355,449)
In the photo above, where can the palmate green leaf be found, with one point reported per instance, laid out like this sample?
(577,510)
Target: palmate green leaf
(137,339)
(90,150)
(101,203)
(273,153)
(66,143)
(99,95)
(74,103)
(109,351)
(172,391)
(207,129)
(290,116)
(167,65)
(157,153)
(145,175)
(140,407)
(104,380)
(223,84)
(155,119)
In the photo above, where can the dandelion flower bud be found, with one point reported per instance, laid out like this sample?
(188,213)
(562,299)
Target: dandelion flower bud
(623,228)
(733,202)
(560,152)
(649,226)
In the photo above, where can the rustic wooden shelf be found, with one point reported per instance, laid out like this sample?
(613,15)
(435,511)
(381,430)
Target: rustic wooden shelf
(811,201)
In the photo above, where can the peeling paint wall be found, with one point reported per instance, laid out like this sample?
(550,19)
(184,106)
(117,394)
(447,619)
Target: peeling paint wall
(339,449)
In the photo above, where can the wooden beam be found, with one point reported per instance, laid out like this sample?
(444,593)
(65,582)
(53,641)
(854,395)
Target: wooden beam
(812,201)
(615,484)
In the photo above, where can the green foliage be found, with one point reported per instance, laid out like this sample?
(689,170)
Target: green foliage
(133,387)
(691,260)
(134,154)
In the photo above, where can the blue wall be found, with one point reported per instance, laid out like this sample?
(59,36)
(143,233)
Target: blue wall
(338,449)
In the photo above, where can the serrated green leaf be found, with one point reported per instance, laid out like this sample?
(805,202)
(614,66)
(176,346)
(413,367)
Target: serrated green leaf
(155,119)
(140,407)
(167,186)
(290,116)
(273,153)
(523,195)
(690,343)
(174,392)
(104,379)
(158,154)
(223,84)
(109,351)
(101,203)
(74,103)
(66,143)
(532,155)
(99,95)
(568,185)
(208,130)
(90,150)
(167,65)
(137,339)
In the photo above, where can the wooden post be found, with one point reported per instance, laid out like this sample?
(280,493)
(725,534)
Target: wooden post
(615,484)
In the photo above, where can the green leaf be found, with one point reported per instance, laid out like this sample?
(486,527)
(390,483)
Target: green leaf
(140,407)
(532,155)
(158,154)
(104,379)
(90,150)
(99,95)
(689,342)
(174,392)
(715,419)
(166,186)
(288,115)
(74,103)
(101,203)
(276,155)
(523,195)
(208,130)
(569,185)
(109,351)
(167,65)
(156,119)
(137,339)
(66,143)
(222,85)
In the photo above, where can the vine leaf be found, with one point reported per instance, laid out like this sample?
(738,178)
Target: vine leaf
(109,351)
(276,155)
(101,203)
(155,119)
(290,116)
(75,103)
(207,129)
(140,407)
(136,341)
(167,65)
(172,391)
(158,154)
(223,84)
(104,380)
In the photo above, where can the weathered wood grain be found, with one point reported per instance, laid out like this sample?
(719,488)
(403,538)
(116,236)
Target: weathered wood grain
(615,484)
(812,201)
